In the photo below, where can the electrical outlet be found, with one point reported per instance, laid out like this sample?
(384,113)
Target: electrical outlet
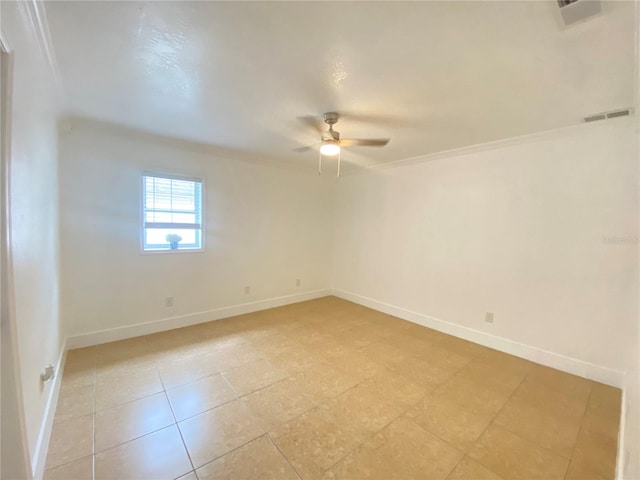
(488,317)
(297,282)
(168,302)
(247,290)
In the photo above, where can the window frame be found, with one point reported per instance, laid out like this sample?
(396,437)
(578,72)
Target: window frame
(171,176)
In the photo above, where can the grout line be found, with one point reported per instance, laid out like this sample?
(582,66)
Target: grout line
(456,466)
(285,457)
(175,420)
(530,441)
(573,450)
(233,450)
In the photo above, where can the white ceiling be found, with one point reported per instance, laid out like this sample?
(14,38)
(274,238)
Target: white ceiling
(430,75)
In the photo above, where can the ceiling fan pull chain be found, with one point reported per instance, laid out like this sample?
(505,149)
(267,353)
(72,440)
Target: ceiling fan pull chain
(320,164)
(338,175)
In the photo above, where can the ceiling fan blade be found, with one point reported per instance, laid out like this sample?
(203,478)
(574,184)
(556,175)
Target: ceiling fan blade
(313,122)
(364,142)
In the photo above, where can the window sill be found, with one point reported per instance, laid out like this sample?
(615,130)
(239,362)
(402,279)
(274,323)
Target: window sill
(169,251)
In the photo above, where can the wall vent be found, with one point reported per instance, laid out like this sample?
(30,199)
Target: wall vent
(625,112)
(576,11)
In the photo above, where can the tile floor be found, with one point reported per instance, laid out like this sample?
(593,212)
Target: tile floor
(324,389)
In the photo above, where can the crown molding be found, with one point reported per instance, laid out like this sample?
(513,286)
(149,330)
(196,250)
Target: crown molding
(545,135)
(34,15)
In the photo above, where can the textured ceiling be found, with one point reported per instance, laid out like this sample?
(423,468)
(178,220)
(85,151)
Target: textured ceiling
(431,75)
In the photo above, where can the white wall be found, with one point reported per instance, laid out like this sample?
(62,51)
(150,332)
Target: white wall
(34,215)
(518,230)
(265,227)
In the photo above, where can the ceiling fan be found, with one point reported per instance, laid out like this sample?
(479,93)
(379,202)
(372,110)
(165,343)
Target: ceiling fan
(331,142)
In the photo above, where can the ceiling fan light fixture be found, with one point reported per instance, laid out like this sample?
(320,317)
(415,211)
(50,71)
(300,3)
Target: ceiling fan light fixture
(329,149)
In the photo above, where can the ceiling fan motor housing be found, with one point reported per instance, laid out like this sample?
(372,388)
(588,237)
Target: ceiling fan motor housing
(331,118)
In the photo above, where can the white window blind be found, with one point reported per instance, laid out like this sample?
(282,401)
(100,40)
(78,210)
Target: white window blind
(172,213)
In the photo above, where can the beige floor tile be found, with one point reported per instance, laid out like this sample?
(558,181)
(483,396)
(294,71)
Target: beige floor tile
(129,348)
(216,432)
(167,341)
(324,381)
(81,469)
(199,396)
(322,377)
(565,383)
(472,395)
(253,376)
(78,375)
(443,358)
(74,401)
(497,378)
(126,354)
(596,452)
(83,356)
(189,476)
(395,389)
(259,459)
(550,400)
(504,361)
(607,424)
(555,433)
(387,354)
(313,442)
(605,398)
(513,457)
(402,450)
(358,365)
(235,355)
(121,387)
(187,369)
(158,456)
(275,345)
(458,425)
(70,440)
(328,348)
(366,463)
(278,403)
(423,373)
(356,337)
(362,410)
(413,346)
(132,420)
(579,470)
(603,411)
(463,347)
(469,469)
(424,333)
(293,359)
(123,366)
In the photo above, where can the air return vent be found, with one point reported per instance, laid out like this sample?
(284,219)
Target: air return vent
(576,11)
(606,115)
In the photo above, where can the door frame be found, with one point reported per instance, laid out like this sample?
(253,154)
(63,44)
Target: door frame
(14,447)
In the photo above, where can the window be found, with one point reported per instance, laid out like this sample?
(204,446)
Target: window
(172,213)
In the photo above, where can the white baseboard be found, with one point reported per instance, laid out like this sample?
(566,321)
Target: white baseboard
(574,366)
(39,457)
(161,325)
(621,431)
